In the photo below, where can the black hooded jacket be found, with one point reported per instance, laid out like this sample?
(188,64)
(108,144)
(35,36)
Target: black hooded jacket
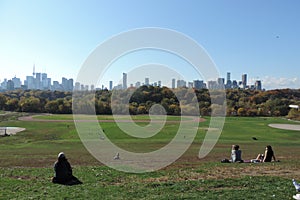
(63,170)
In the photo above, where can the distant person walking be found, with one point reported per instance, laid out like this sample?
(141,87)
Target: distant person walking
(63,172)
(267,156)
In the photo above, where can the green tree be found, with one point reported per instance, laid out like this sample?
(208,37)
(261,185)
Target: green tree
(174,109)
(12,104)
(294,114)
(52,106)
(31,104)
(142,109)
(241,112)
(65,107)
(3,100)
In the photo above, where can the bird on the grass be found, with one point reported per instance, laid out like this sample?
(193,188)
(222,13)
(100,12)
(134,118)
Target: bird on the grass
(297,196)
(117,156)
(102,137)
(254,138)
(297,186)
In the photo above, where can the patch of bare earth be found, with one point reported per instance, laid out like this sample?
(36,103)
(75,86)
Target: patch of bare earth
(230,170)
(7,131)
(293,127)
(259,169)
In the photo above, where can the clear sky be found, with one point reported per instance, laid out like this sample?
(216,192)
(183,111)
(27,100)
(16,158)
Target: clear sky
(260,38)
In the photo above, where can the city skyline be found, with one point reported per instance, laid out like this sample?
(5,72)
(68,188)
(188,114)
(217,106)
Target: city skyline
(260,38)
(41,81)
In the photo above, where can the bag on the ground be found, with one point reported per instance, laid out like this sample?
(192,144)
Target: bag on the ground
(225,160)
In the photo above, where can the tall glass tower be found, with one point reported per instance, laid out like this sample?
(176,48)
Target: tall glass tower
(124,81)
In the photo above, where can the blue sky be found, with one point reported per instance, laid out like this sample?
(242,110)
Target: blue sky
(260,38)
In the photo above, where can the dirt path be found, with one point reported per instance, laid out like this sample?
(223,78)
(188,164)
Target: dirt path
(293,127)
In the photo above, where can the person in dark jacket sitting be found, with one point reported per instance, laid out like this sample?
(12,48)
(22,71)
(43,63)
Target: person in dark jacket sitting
(63,172)
(267,156)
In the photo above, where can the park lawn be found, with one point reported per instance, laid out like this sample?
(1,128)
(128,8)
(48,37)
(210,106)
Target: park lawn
(242,130)
(103,117)
(103,183)
(27,158)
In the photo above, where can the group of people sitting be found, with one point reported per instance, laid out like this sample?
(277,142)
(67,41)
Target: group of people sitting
(236,155)
(63,170)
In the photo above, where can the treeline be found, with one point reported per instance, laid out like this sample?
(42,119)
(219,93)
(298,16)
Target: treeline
(36,101)
(140,101)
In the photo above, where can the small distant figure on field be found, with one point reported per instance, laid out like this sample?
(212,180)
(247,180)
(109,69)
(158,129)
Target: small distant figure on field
(102,137)
(117,156)
(236,155)
(63,172)
(267,156)
(297,185)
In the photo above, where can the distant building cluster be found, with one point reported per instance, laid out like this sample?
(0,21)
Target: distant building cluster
(234,84)
(197,84)
(41,81)
(38,81)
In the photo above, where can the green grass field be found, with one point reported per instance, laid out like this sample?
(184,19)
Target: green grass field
(105,117)
(26,162)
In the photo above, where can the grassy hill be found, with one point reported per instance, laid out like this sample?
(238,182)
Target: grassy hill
(26,162)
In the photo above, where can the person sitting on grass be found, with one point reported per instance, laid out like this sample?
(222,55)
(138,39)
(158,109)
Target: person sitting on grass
(63,172)
(236,154)
(267,156)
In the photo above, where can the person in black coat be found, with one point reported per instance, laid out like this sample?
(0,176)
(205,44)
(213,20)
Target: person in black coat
(63,172)
(267,156)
